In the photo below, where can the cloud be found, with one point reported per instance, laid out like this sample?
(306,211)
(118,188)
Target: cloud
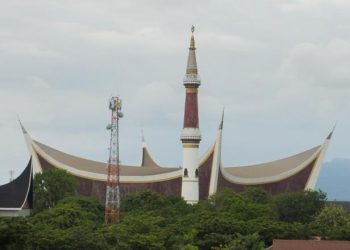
(18,48)
(38,82)
(281,74)
(229,42)
(325,65)
(297,5)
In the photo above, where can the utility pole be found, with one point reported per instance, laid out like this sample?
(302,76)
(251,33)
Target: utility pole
(112,205)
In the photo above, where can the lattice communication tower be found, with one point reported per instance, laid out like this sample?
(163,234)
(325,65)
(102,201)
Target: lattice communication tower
(112,209)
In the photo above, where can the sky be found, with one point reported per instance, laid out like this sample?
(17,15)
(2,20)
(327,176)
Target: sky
(279,67)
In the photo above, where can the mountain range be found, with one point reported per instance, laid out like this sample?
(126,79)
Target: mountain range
(334,179)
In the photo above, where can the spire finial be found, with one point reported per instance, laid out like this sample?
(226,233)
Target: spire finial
(143,141)
(222,119)
(192,44)
(142,137)
(22,127)
(331,133)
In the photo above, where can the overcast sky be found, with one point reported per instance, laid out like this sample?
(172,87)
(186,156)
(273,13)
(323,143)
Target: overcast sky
(281,68)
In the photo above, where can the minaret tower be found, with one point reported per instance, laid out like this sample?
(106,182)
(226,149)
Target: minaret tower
(191,135)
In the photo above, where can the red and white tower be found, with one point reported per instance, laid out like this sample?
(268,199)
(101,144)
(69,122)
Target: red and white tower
(112,205)
(191,135)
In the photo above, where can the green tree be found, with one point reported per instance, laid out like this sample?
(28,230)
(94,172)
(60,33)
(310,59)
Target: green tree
(256,195)
(299,206)
(151,220)
(72,224)
(223,200)
(227,220)
(90,205)
(13,232)
(51,186)
(144,201)
(329,220)
(240,206)
(273,229)
(340,233)
(245,242)
(215,229)
(140,231)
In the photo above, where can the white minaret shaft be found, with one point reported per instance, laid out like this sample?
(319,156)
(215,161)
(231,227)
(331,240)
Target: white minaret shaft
(190,135)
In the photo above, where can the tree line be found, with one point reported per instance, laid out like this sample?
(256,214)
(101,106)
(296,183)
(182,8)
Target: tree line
(227,220)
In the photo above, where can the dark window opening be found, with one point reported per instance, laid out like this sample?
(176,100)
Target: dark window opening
(186,172)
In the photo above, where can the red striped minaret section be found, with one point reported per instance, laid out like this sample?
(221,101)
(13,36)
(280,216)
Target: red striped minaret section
(190,135)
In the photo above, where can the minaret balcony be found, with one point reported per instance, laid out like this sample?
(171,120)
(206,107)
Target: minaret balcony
(192,80)
(191,134)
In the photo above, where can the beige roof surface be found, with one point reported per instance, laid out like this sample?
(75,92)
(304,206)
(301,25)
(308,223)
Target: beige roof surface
(100,167)
(272,168)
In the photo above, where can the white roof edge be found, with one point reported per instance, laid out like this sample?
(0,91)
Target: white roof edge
(29,183)
(10,208)
(215,168)
(311,183)
(207,153)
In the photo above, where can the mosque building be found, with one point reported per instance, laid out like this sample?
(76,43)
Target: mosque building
(197,178)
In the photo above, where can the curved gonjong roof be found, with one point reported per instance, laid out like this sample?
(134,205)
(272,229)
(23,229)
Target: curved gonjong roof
(15,194)
(276,170)
(147,160)
(266,172)
(150,171)
(147,171)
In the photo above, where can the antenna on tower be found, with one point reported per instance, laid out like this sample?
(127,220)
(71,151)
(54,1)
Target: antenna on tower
(112,205)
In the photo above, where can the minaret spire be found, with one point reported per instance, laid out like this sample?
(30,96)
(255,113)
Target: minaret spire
(191,69)
(191,135)
(191,61)
(191,82)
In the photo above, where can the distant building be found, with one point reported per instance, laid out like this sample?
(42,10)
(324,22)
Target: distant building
(309,245)
(16,197)
(199,177)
